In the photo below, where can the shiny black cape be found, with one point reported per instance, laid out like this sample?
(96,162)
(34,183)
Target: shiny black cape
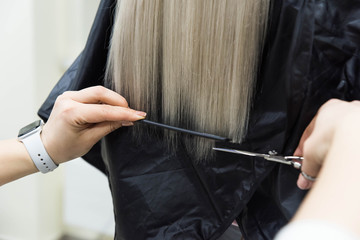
(311,55)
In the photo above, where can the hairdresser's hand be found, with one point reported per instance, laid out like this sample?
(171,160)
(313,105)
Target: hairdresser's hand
(318,136)
(80,119)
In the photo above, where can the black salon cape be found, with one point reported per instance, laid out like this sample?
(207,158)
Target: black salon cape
(311,55)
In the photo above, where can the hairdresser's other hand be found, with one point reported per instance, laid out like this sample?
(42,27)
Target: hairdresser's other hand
(318,136)
(79,119)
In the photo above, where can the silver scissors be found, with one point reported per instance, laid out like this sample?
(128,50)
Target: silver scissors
(295,161)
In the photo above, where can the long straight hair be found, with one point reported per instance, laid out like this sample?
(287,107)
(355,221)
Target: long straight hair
(189,63)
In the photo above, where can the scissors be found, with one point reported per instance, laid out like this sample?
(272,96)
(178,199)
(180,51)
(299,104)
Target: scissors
(295,161)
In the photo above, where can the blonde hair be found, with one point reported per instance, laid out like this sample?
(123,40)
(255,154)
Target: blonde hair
(189,63)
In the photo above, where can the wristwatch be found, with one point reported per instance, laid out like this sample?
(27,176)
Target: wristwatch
(30,137)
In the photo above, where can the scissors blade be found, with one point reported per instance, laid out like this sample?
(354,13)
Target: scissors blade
(279,159)
(247,153)
(268,157)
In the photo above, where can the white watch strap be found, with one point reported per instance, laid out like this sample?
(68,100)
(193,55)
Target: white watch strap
(38,154)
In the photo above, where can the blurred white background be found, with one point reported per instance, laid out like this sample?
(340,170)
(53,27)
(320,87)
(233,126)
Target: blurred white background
(38,40)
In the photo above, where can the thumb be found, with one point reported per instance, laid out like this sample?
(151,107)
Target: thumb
(304,183)
(311,164)
(299,151)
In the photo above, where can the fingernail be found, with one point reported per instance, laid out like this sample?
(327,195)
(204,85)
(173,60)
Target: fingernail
(303,184)
(141,114)
(127,124)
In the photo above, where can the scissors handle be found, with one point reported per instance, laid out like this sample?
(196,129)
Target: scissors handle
(297,158)
(296,161)
(296,165)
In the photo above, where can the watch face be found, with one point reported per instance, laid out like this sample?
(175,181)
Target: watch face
(29,128)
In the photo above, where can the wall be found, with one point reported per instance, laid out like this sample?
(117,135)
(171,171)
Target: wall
(39,39)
